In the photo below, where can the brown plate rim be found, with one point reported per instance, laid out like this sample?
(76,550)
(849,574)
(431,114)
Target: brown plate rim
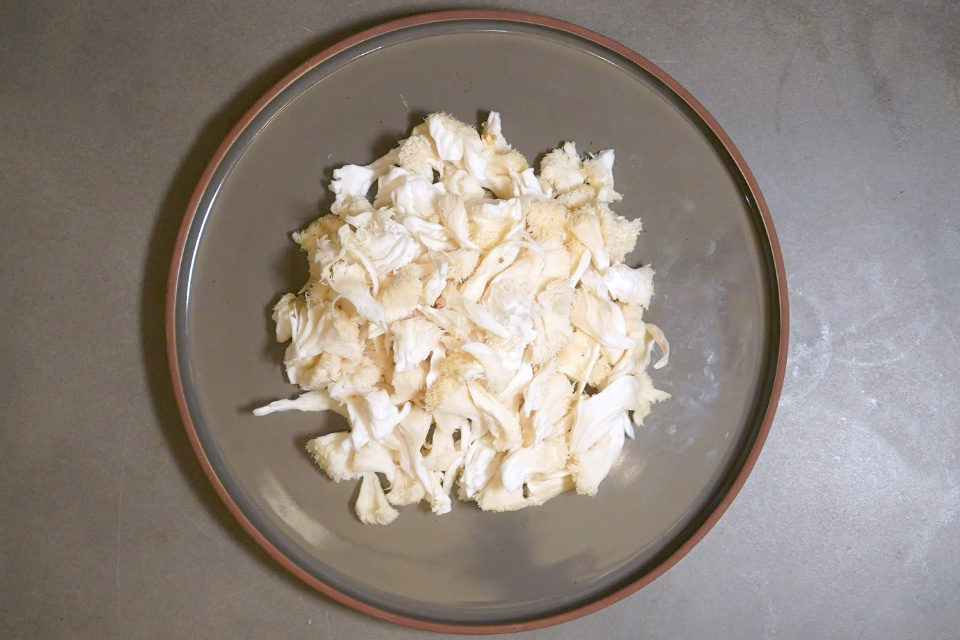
(771,237)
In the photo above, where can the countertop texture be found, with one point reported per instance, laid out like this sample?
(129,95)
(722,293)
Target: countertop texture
(849,115)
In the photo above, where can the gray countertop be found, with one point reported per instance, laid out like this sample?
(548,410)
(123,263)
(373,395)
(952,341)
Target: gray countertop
(849,115)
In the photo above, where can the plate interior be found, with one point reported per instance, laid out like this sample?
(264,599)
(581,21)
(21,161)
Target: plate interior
(714,299)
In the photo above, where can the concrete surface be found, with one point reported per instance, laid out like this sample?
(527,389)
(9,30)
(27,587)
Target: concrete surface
(849,114)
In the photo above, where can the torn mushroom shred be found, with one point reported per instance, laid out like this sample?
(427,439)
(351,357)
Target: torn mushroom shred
(475,323)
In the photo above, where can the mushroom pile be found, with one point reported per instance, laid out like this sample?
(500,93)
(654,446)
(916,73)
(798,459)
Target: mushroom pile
(474,322)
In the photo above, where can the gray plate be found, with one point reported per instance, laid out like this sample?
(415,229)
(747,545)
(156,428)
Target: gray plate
(720,299)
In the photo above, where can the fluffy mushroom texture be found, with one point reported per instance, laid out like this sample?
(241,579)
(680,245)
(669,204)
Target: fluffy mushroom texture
(475,323)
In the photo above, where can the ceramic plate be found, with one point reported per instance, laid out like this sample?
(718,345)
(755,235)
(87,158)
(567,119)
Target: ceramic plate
(721,299)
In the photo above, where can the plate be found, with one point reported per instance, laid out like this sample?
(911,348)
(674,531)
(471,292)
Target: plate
(721,298)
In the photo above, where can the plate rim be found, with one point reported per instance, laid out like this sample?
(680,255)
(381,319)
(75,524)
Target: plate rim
(780,300)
